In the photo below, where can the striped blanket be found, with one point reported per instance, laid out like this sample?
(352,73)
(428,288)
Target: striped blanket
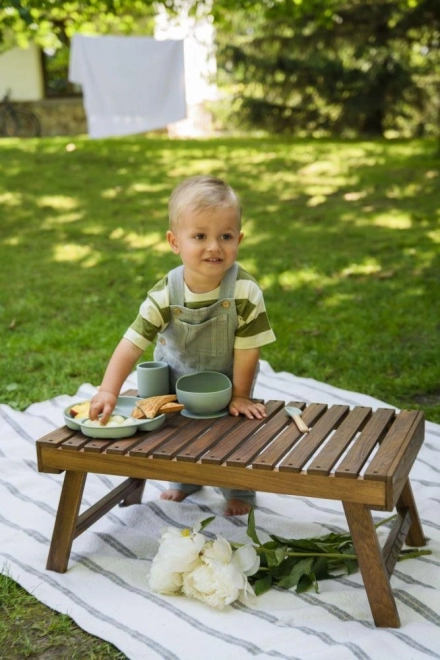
(106,592)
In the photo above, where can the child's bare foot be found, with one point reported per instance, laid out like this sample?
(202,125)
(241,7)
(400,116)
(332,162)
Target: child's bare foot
(174,495)
(237,508)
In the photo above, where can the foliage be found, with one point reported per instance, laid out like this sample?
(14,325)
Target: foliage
(300,563)
(337,67)
(51,24)
(286,563)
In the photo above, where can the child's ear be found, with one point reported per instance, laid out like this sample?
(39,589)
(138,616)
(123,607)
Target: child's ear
(240,237)
(173,242)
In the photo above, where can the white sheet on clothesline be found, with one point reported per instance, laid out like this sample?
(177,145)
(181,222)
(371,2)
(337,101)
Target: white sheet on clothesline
(130,84)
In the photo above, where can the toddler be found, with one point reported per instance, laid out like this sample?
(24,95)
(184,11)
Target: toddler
(208,314)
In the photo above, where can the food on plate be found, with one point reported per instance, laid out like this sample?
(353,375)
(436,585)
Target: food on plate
(156,405)
(80,410)
(113,420)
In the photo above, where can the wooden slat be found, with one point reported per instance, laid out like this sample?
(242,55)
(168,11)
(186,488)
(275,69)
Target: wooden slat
(178,441)
(391,445)
(243,430)
(338,443)
(253,445)
(272,455)
(75,443)
(301,453)
(373,433)
(154,439)
(57,437)
(195,450)
(97,446)
(401,456)
(124,445)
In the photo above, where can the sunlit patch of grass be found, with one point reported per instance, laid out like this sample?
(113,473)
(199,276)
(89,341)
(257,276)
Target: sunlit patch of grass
(393,220)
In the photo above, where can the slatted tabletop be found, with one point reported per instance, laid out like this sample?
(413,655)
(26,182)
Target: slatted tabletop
(345,446)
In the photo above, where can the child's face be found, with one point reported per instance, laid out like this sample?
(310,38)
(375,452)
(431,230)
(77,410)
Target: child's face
(207,242)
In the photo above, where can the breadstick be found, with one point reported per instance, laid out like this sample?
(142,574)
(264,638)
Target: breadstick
(153,404)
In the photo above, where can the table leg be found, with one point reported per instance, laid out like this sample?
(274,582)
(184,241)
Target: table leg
(135,497)
(65,522)
(406,500)
(371,565)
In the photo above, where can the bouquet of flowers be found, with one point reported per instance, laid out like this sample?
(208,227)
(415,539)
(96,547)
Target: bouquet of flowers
(219,572)
(211,571)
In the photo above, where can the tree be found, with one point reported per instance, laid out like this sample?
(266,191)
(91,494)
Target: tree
(352,67)
(50,23)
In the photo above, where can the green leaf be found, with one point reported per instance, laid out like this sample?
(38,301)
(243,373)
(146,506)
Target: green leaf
(351,565)
(251,531)
(262,585)
(302,567)
(206,522)
(321,569)
(305,582)
(280,553)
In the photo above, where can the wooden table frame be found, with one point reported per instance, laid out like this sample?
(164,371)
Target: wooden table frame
(358,456)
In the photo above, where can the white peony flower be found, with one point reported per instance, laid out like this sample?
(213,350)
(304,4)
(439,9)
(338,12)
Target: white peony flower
(246,560)
(216,584)
(218,550)
(221,578)
(178,553)
(210,571)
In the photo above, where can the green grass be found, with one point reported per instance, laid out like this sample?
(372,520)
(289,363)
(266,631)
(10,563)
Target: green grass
(30,630)
(343,236)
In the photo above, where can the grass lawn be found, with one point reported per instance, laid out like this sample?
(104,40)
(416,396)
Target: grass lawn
(344,237)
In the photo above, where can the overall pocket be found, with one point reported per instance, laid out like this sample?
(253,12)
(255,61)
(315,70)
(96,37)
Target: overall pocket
(209,338)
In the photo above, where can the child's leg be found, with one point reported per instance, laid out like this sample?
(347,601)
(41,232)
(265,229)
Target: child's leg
(238,502)
(177,492)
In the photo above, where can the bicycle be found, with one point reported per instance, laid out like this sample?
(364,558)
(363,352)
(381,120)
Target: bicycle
(15,122)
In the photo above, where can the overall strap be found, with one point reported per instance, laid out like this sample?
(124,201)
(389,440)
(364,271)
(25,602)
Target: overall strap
(227,286)
(176,288)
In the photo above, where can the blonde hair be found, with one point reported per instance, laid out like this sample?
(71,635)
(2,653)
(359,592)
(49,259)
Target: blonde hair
(199,193)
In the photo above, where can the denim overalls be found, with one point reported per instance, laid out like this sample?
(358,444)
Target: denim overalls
(200,340)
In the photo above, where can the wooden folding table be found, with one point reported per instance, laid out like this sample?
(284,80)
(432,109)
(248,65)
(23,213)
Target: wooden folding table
(356,455)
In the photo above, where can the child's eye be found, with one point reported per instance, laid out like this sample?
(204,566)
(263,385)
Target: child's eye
(227,237)
(200,237)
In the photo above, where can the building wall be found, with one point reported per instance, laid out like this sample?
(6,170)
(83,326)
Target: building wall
(21,73)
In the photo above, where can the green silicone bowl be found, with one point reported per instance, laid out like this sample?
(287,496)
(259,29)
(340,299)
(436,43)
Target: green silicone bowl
(205,392)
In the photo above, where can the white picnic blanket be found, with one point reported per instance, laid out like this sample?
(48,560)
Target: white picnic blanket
(105,589)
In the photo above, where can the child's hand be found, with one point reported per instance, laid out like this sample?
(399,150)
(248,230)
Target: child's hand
(240,405)
(103,404)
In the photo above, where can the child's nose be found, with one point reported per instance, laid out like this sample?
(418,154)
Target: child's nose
(213,244)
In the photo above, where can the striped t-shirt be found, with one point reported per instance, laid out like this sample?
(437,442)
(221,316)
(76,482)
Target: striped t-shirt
(253,324)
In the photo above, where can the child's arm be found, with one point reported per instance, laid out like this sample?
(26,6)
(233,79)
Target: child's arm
(245,365)
(119,368)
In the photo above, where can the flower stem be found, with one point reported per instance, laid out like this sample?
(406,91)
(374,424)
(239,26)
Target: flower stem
(414,553)
(330,555)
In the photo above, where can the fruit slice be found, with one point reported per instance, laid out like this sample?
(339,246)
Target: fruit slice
(80,410)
